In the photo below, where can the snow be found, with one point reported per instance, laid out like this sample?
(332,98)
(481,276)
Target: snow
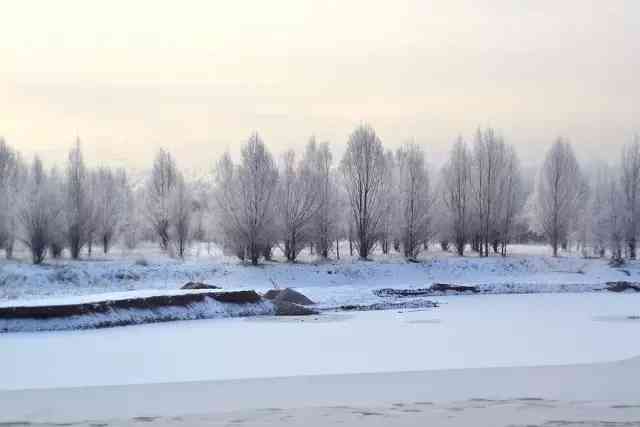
(579,395)
(347,281)
(465,332)
(534,311)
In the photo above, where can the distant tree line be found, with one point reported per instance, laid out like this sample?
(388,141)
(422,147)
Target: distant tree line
(374,198)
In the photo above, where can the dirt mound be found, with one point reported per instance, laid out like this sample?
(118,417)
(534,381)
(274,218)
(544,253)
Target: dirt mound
(287,295)
(199,285)
(102,307)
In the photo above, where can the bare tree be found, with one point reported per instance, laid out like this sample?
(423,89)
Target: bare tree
(230,225)
(558,192)
(109,203)
(579,220)
(297,200)
(57,202)
(597,216)
(327,218)
(630,187)
(615,212)
(512,197)
(245,196)
(415,201)
(78,203)
(11,181)
(130,224)
(456,193)
(389,200)
(181,213)
(364,169)
(36,214)
(488,171)
(160,187)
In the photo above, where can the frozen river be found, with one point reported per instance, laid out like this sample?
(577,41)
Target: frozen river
(465,332)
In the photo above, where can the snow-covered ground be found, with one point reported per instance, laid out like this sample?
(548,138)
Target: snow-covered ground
(465,332)
(347,281)
(497,345)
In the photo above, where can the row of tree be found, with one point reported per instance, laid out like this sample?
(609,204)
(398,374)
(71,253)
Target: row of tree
(372,198)
(50,210)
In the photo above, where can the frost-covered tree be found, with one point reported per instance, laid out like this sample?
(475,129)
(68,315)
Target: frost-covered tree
(327,218)
(201,215)
(630,187)
(159,191)
(364,170)
(245,196)
(597,211)
(78,203)
(414,200)
(130,224)
(455,187)
(579,221)
(615,214)
(36,213)
(389,202)
(57,201)
(488,171)
(181,214)
(558,193)
(109,203)
(297,201)
(511,198)
(11,181)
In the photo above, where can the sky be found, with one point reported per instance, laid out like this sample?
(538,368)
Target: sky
(198,77)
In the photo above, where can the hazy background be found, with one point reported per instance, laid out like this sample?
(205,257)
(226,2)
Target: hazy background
(199,77)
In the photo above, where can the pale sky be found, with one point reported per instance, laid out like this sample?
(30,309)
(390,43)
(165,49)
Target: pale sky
(197,78)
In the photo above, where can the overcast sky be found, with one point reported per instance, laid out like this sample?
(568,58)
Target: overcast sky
(199,77)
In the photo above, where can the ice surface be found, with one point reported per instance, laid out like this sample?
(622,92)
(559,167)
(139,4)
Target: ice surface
(465,332)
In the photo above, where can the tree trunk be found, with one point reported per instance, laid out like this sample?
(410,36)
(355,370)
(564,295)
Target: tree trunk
(9,249)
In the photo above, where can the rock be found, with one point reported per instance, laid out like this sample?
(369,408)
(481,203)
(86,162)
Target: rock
(285,308)
(199,285)
(287,295)
(623,286)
